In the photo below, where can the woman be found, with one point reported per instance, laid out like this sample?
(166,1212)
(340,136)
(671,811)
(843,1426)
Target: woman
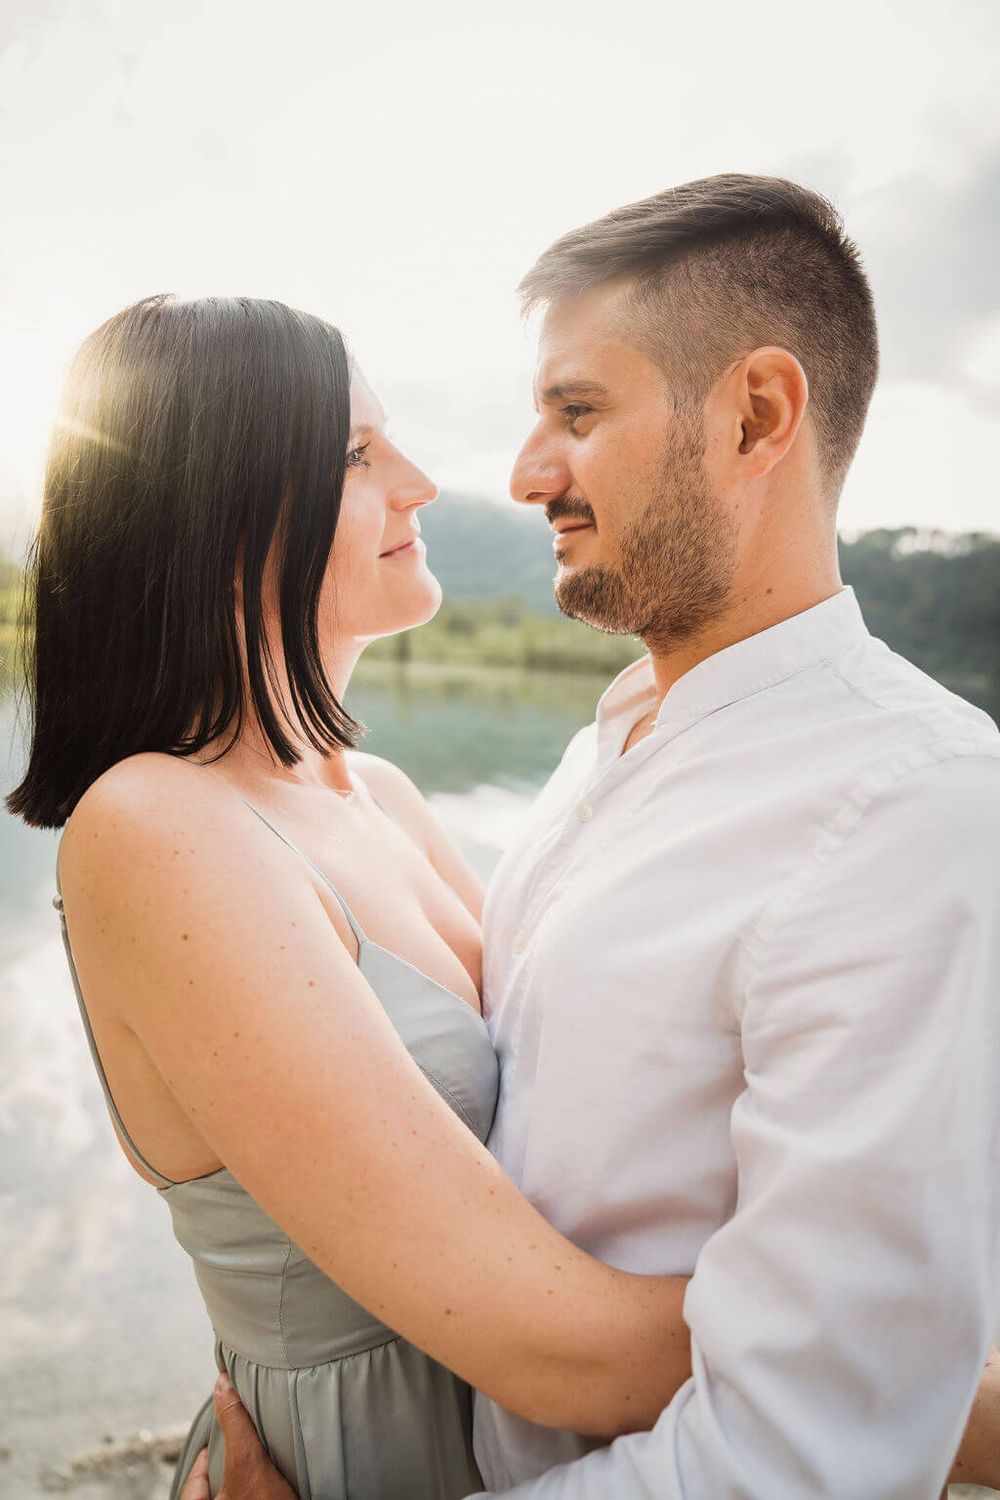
(275,948)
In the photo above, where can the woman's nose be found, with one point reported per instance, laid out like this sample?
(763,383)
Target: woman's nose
(413,488)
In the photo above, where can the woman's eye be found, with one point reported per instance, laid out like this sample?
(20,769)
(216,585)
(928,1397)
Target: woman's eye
(574,413)
(356,457)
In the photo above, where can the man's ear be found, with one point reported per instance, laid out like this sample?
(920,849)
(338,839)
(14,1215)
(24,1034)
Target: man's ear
(764,398)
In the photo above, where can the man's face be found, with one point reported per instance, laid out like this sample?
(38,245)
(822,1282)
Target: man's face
(643,545)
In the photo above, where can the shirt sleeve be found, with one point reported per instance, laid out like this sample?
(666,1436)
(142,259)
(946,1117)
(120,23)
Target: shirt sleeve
(840,1318)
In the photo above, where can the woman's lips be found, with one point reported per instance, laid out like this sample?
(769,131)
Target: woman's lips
(406,549)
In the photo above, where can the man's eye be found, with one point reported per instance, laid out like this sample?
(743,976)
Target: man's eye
(574,413)
(356,458)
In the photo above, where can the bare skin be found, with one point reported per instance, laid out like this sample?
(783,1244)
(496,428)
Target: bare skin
(237,1030)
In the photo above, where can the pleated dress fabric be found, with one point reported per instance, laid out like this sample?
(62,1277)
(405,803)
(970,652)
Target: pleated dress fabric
(346,1409)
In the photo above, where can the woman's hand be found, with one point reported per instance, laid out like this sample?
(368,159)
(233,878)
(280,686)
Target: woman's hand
(978,1460)
(249,1473)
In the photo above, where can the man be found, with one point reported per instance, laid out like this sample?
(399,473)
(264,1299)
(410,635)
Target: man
(741,968)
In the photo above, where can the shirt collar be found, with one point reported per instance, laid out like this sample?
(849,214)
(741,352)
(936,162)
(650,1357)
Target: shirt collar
(746,667)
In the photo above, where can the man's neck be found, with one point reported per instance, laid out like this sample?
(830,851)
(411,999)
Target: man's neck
(762,610)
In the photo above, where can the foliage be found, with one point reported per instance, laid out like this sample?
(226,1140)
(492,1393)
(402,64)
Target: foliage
(508,633)
(930,596)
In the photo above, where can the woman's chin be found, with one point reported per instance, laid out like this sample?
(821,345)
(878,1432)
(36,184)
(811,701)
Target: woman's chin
(421,605)
(433,601)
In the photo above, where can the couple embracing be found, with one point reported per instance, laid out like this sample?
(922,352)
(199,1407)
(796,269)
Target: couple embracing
(685,1182)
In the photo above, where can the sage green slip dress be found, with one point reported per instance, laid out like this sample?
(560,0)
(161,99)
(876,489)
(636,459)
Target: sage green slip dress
(346,1408)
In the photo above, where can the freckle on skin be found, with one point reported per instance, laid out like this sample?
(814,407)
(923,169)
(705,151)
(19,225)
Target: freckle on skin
(184,936)
(312,984)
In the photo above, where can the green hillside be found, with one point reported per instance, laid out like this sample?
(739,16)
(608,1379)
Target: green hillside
(932,597)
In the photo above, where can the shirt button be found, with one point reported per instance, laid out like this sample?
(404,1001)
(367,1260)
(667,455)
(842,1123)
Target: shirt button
(584,812)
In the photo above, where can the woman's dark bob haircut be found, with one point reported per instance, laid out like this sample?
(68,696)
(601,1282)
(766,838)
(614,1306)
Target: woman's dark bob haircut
(191,436)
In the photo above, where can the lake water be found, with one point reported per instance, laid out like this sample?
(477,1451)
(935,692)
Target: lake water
(104,1339)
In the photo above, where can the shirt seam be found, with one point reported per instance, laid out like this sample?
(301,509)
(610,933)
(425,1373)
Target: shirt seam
(761,931)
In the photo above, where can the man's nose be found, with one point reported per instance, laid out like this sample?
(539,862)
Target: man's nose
(538,476)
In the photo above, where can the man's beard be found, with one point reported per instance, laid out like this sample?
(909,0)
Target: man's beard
(678,558)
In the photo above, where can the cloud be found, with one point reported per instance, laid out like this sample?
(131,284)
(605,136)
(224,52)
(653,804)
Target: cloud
(930,245)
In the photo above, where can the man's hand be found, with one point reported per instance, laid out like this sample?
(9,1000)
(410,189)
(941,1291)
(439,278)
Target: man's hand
(978,1460)
(249,1473)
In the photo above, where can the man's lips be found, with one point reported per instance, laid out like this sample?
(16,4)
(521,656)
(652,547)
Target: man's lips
(566,529)
(561,529)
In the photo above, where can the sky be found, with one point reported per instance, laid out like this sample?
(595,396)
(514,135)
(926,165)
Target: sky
(396,169)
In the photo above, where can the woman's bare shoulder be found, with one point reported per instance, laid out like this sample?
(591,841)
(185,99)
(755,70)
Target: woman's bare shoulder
(131,813)
(140,787)
(387,783)
(406,803)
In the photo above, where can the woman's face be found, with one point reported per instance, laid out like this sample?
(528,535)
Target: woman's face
(378,581)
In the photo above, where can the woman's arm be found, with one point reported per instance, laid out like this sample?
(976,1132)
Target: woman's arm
(217,952)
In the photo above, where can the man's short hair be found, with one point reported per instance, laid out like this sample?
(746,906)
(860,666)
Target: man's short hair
(724,265)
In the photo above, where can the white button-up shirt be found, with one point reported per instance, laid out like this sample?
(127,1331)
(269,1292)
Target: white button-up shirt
(742,980)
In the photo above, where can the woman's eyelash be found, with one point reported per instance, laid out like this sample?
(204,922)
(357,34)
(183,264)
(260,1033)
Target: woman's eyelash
(356,457)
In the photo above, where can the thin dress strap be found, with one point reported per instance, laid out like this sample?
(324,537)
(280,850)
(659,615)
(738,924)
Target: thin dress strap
(126,1140)
(353,922)
(352,919)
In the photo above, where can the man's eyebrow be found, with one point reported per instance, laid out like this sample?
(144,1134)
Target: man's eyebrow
(568,388)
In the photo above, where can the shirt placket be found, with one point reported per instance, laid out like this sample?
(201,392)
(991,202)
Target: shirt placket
(590,820)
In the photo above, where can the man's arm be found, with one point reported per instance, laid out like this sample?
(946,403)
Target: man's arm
(841,1319)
